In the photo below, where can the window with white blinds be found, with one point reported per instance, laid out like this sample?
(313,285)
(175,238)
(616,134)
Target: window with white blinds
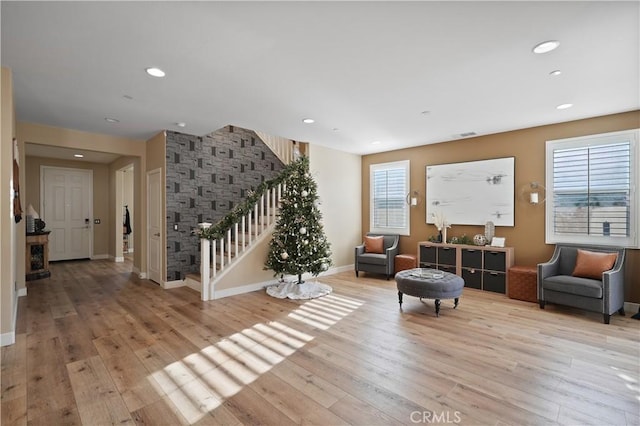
(389,187)
(591,190)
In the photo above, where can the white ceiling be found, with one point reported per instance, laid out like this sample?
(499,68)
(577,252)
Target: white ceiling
(368,69)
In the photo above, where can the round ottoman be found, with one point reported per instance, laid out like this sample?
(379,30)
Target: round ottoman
(429,284)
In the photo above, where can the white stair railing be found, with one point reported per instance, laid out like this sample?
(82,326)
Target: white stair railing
(281,147)
(217,254)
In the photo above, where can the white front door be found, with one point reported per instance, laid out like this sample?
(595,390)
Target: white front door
(67,209)
(154,220)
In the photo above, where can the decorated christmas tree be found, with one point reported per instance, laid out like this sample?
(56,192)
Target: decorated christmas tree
(299,244)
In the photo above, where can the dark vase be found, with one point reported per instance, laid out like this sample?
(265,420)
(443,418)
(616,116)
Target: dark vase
(439,237)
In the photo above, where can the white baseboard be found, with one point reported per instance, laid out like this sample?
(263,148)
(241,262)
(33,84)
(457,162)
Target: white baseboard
(118,259)
(631,308)
(336,270)
(234,291)
(22,292)
(7,339)
(172,284)
(100,256)
(141,275)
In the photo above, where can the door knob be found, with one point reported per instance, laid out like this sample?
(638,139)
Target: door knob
(157,234)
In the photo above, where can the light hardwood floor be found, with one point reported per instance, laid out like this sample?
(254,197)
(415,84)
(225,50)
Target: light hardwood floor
(95,345)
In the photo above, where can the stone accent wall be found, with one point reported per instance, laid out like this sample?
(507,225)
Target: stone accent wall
(206,177)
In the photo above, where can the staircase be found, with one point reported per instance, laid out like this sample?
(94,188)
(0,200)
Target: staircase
(223,245)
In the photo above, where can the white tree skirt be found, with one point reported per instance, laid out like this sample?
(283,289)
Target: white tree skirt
(292,290)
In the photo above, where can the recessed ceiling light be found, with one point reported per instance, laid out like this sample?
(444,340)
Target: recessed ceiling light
(376,143)
(78,155)
(555,72)
(155,72)
(564,106)
(181,124)
(308,120)
(112,120)
(546,46)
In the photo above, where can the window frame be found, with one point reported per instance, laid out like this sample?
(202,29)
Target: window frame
(406,164)
(603,139)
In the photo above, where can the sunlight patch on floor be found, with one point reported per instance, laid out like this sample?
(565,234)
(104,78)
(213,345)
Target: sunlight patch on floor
(631,383)
(201,381)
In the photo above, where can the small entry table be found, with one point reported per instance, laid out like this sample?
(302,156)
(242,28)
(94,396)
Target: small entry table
(429,284)
(37,256)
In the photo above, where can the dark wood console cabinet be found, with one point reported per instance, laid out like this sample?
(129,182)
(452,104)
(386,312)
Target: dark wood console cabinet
(37,256)
(481,267)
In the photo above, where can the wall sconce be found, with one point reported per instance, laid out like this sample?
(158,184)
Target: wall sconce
(413,198)
(534,193)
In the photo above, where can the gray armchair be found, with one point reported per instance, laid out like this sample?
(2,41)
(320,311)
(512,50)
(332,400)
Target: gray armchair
(557,285)
(378,263)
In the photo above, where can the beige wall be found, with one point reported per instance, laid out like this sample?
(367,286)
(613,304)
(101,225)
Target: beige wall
(338,174)
(100,186)
(528,148)
(8,227)
(250,270)
(68,138)
(128,200)
(156,149)
(138,213)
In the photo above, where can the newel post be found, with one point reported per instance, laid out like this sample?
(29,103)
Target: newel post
(205,266)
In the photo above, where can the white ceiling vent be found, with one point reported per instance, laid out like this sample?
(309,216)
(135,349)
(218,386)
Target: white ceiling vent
(467,134)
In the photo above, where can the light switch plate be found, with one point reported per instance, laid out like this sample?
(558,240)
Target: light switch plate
(96,221)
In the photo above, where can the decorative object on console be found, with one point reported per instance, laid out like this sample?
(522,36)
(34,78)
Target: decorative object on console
(39,225)
(489,230)
(497,242)
(440,221)
(32,215)
(463,239)
(479,240)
